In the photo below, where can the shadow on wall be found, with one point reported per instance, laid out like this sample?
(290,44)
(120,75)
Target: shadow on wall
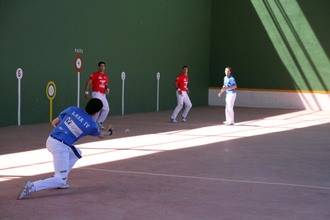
(297,46)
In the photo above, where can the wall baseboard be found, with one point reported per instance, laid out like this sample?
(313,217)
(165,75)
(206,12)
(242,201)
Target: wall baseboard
(282,99)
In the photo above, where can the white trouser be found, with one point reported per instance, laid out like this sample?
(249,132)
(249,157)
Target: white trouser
(182,100)
(63,161)
(230,101)
(102,115)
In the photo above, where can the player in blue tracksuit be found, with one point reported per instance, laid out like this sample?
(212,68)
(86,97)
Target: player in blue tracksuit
(229,86)
(72,124)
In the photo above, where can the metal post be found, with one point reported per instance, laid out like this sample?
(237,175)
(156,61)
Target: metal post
(123,77)
(19,76)
(157,77)
(78,89)
(19,104)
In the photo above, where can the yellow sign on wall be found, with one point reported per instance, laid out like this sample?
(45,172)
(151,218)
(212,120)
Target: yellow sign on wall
(51,93)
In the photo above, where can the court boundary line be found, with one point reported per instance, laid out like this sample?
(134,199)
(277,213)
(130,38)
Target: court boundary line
(206,178)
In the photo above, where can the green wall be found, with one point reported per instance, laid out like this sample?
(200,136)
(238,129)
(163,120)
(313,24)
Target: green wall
(272,44)
(138,37)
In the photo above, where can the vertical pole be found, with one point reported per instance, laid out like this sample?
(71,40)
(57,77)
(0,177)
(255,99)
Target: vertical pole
(123,76)
(123,98)
(19,104)
(157,77)
(157,95)
(19,76)
(78,89)
(50,110)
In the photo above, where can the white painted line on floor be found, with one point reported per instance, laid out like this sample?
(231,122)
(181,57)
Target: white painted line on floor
(207,178)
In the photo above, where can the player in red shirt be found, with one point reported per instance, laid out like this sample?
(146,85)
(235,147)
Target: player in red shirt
(98,83)
(182,95)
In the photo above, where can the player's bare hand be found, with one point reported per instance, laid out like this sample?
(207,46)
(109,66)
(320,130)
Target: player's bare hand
(106,132)
(87,95)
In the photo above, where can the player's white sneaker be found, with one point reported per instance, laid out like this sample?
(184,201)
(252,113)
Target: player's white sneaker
(173,120)
(184,120)
(28,189)
(64,186)
(227,123)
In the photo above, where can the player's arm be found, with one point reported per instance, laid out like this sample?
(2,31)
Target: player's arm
(60,117)
(107,90)
(88,85)
(102,133)
(55,122)
(232,84)
(178,85)
(107,86)
(232,87)
(106,132)
(224,88)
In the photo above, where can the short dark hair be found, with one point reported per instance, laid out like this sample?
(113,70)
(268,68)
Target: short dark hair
(100,63)
(93,106)
(185,66)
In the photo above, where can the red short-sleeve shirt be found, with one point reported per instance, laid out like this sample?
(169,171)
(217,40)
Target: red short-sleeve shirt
(99,81)
(181,82)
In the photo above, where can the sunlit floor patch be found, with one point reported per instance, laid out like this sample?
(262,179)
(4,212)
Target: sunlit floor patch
(35,162)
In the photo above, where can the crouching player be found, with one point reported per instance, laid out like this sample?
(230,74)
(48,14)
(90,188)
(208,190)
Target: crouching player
(72,124)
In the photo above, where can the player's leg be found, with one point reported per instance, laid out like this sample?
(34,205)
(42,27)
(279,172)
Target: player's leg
(102,115)
(72,161)
(230,100)
(97,96)
(105,110)
(60,154)
(187,106)
(227,110)
(178,108)
(232,108)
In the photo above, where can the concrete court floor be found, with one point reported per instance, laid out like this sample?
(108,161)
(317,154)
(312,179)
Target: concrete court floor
(273,164)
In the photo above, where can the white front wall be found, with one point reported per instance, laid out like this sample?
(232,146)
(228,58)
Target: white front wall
(274,99)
